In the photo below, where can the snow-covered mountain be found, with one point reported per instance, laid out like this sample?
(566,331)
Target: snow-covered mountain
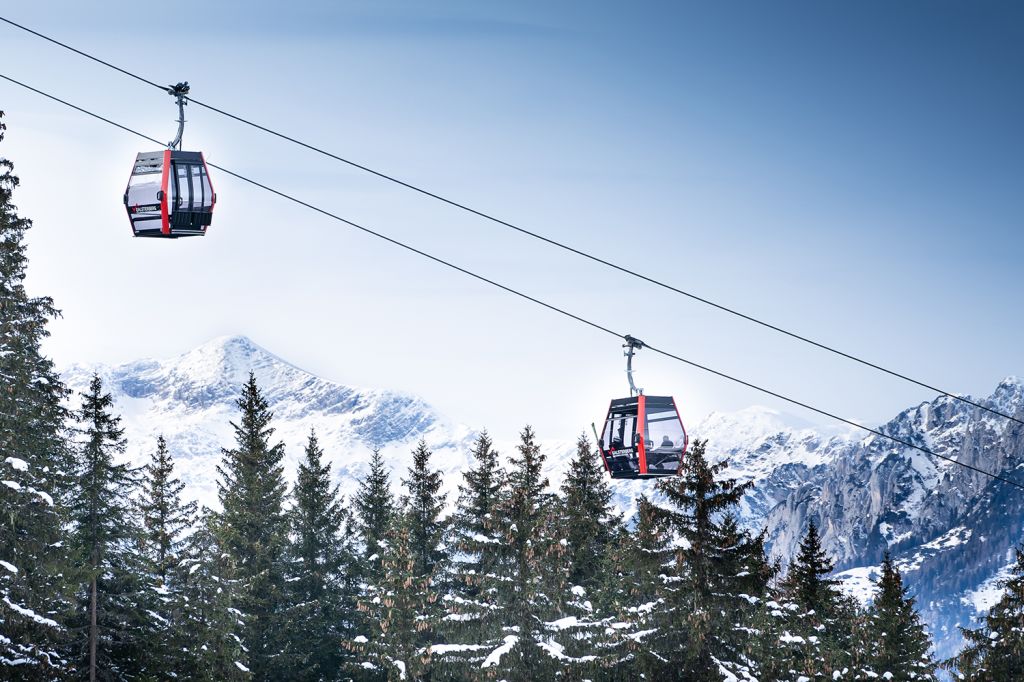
(190,399)
(949,528)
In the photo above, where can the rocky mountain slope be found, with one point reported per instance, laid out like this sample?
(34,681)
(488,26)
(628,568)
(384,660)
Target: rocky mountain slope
(949,528)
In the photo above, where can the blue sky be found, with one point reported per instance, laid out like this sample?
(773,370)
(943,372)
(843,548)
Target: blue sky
(851,171)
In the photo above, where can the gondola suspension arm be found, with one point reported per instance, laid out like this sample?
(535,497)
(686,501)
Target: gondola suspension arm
(180,93)
(632,345)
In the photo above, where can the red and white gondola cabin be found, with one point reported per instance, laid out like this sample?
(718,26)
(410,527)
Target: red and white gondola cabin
(169,195)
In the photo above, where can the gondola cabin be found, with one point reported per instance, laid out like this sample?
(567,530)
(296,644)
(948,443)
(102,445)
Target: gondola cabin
(169,195)
(643,437)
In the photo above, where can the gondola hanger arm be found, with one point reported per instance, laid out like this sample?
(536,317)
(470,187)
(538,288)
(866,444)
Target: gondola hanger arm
(180,93)
(632,345)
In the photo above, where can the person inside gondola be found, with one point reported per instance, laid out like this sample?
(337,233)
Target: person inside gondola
(666,442)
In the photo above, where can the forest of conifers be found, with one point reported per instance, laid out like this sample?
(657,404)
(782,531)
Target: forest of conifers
(108,573)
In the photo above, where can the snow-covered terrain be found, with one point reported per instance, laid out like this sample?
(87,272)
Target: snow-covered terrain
(949,529)
(190,399)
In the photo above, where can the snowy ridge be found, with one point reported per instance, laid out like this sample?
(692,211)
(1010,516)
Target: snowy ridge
(190,399)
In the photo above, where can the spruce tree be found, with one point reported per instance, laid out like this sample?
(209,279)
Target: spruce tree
(166,520)
(817,628)
(165,516)
(252,529)
(471,604)
(35,591)
(807,580)
(211,623)
(398,610)
(634,588)
(375,510)
(475,520)
(898,645)
(424,505)
(696,626)
(507,603)
(322,560)
(526,513)
(996,650)
(524,509)
(630,563)
(428,540)
(588,518)
(116,595)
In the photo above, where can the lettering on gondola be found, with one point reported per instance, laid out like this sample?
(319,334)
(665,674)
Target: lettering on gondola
(150,208)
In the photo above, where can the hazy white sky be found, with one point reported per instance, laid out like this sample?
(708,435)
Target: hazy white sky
(851,172)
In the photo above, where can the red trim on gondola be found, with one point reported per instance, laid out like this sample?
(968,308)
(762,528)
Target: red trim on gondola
(641,419)
(165,223)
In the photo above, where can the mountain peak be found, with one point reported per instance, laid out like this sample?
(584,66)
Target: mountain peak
(1012,382)
(239,340)
(1009,395)
(237,345)
(228,358)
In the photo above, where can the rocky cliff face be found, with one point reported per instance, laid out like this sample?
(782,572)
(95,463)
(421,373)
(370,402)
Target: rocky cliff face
(950,529)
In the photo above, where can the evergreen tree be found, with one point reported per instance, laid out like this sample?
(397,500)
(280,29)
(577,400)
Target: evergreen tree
(117,596)
(475,520)
(166,519)
(632,587)
(252,530)
(375,511)
(35,464)
(898,644)
(524,509)
(322,559)
(398,609)
(698,624)
(211,624)
(525,648)
(471,603)
(631,563)
(816,630)
(996,650)
(427,544)
(807,580)
(424,505)
(508,603)
(165,516)
(588,518)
